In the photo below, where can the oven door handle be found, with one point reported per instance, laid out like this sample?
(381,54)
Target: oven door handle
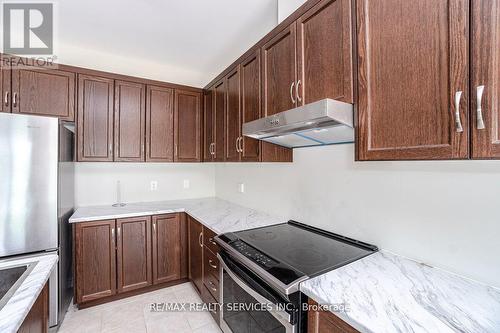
(278,314)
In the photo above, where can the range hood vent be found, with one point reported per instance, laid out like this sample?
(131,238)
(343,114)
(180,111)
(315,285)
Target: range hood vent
(324,122)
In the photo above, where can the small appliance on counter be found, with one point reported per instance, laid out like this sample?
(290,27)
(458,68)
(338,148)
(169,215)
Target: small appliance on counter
(37,198)
(266,266)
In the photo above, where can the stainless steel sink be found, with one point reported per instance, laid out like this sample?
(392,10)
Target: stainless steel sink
(11,278)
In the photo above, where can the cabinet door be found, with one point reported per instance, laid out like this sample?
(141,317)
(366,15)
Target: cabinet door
(134,253)
(208,125)
(485,71)
(129,122)
(324,57)
(159,124)
(412,58)
(5,74)
(195,232)
(166,248)
(278,85)
(220,92)
(95,119)
(279,76)
(43,92)
(37,319)
(233,115)
(187,141)
(326,321)
(250,104)
(95,260)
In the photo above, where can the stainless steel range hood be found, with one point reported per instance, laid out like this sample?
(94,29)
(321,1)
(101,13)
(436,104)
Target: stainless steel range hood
(320,123)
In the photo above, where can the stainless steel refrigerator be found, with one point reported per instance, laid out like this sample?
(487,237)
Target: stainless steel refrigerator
(37,197)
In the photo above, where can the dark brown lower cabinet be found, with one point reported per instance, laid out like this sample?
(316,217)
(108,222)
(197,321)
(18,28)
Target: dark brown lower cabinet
(326,321)
(37,320)
(166,248)
(195,231)
(95,260)
(119,258)
(134,253)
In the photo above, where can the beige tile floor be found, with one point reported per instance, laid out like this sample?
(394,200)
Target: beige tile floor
(133,315)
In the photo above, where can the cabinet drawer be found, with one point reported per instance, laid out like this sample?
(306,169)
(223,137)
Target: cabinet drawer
(211,273)
(208,240)
(208,299)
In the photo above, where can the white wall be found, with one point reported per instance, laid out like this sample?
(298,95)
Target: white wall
(95,183)
(444,213)
(286,7)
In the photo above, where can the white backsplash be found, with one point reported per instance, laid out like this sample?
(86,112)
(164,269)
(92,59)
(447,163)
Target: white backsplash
(444,213)
(96,182)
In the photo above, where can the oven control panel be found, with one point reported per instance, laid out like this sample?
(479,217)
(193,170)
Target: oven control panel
(253,254)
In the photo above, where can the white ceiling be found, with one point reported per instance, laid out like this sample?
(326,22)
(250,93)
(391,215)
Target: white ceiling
(187,41)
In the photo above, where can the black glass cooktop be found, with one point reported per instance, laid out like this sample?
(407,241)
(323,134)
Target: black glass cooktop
(291,250)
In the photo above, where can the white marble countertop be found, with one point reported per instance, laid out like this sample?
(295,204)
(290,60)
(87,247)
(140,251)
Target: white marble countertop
(387,293)
(217,214)
(14,312)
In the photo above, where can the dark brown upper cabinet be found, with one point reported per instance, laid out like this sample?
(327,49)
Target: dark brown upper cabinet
(5,89)
(208,125)
(220,102)
(43,92)
(95,260)
(485,79)
(324,53)
(95,118)
(279,72)
(195,241)
(187,119)
(133,239)
(412,79)
(166,248)
(130,118)
(278,85)
(233,124)
(159,124)
(250,104)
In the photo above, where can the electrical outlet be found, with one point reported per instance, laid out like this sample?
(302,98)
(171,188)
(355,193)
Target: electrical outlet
(154,185)
(241,187)
(186,184)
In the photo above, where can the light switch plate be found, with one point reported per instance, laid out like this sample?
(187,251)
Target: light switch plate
(241,188)
(186,184)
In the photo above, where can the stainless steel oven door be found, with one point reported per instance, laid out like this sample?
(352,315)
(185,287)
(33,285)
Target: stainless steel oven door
(265,316)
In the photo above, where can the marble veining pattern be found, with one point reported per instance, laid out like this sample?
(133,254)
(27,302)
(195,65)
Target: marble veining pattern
(388,293)
(217,214)
(13,313)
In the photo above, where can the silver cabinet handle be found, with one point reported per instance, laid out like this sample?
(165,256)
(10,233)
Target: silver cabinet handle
(154,227)
(480,120)
(211,240)
(291,92)
(458,122)
(113,235)
(212,286)
(118,235)
(212,148)
(175,150)
(297,91)
(237,144)
(199,239)
(213,153)
(241,144)
(6,99)
(210,262)
(14,100)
